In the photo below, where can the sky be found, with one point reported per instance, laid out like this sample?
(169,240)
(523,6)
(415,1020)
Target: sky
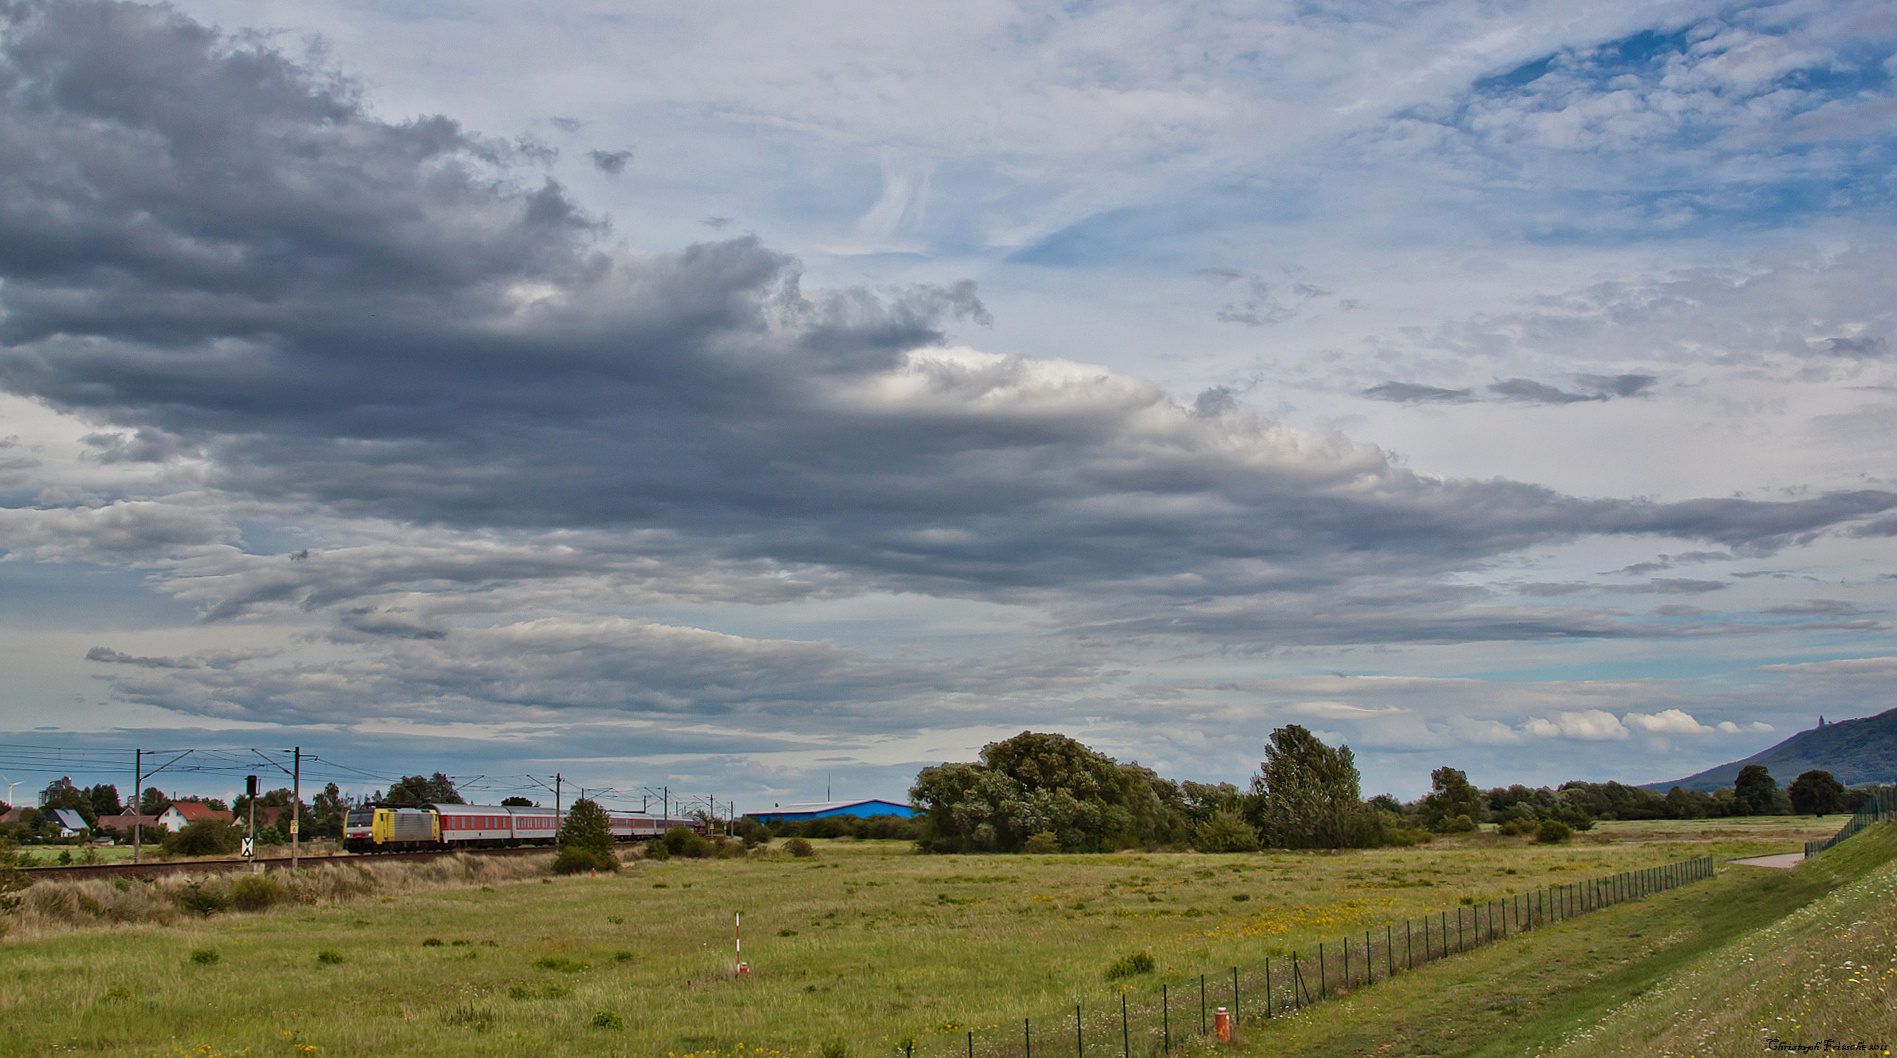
(760,400)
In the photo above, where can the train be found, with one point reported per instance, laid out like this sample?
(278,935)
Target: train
(440,827)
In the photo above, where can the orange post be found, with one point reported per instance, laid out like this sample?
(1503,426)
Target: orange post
(1222,1025)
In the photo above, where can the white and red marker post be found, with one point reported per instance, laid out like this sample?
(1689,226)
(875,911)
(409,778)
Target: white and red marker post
(737,928)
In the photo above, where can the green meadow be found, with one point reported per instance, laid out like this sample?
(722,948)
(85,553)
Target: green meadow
(867,945)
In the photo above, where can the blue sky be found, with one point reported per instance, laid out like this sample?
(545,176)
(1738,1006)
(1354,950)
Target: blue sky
(738,396)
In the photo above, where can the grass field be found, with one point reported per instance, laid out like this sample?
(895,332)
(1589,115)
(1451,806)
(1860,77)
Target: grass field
(868,944)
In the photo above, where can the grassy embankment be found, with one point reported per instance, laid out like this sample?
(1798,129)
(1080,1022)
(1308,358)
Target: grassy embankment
(867,944)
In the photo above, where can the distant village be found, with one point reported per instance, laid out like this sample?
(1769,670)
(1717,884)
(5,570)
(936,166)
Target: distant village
(74,815)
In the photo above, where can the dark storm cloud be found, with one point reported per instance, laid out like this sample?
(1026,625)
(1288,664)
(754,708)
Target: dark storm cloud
(566,670)
(611,163)
(216,250)
(1619,385)
(1412,393)
(1529,391)
(110,656)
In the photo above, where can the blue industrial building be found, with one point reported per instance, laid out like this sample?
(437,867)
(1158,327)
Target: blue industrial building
(821,809)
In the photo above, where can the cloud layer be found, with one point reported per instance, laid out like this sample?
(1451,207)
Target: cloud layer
(390,384)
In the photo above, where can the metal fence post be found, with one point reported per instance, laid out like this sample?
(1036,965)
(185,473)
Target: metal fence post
(1126,1038)
(1267,986)
(1080,1043)
(1201,1004)
(1165,1014)
(1027,1037)
(1322,973)
(1234,997)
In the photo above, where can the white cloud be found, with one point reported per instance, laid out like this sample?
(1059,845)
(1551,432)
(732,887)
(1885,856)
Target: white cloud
(1587,725)
(1670,721)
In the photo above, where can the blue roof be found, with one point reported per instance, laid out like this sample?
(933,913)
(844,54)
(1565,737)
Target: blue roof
(820,809)
(70,818)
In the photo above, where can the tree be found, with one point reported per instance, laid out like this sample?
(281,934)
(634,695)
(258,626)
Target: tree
(327,812)
(1754,790)
(153,802)
(516,802)
(585,840)
(1816,793)
(437,789)
(105,801)
(1037,782)
(1451,795)
(1306,795)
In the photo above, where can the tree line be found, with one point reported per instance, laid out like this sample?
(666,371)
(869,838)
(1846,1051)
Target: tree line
(1044,792)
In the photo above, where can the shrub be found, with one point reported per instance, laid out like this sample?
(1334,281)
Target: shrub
(684,841)
(1404,837)
(1553,832)
(753,833)
(1041,844)
(1459,825)
(834,1047)
(1130,964)
(329,957)
(586,840)
(606,1019)
(200,898)
(206,837)
(622,956)
(204,956)
(431,942)
(574,859)
(255,892)
(800,848)
(656,850)
(1518,827)
(562,964)
(1225,831)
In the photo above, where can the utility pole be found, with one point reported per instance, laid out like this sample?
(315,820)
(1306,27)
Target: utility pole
(138,777)
(296,802)
(556,797)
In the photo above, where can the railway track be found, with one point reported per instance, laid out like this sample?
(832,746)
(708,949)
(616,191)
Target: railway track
(158,868)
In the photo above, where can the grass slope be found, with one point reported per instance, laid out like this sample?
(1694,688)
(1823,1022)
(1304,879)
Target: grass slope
(1579,985)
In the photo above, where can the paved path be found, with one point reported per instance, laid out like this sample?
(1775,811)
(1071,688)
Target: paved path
(1786,859)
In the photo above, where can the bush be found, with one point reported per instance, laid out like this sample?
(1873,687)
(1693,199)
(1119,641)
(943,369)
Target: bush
(206,837)
(204,956)
(684,841)
(656,850)
(200,898)
(799,848)
(1517,827)
(834,1047)
(576,860)
(1459,825)
(329,957)
(1130,964)
(753,833)
(606,1019)
(1225,831)
(586,841)
(1553,832)
(255,892)
(1404,837)
(1043,843)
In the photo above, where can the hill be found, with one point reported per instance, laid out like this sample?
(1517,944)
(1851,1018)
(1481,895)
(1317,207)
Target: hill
(1853,751)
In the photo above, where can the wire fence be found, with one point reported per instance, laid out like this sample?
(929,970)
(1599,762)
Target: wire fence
(1151,1021)
(1881,806)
